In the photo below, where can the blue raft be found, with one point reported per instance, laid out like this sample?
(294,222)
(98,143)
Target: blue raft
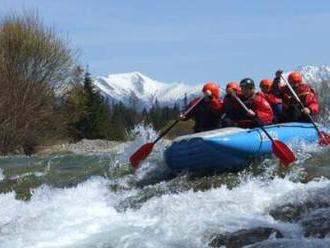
(232,149)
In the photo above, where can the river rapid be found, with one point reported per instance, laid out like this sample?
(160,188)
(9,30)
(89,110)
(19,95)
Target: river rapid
(95,199)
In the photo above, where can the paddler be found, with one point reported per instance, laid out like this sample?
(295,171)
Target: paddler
(266,87)
(292,111)
(232,111)
(257,104)
(207,113)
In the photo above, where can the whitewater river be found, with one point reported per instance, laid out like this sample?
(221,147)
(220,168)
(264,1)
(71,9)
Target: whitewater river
(97,200)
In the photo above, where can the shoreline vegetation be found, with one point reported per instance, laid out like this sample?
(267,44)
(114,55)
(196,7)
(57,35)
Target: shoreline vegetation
(46,97)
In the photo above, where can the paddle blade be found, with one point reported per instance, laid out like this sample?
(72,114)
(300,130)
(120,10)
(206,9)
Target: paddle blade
(141,154)
(324,139)
(283,152)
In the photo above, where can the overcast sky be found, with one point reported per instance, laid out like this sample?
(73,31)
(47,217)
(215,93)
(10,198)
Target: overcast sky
(189,41)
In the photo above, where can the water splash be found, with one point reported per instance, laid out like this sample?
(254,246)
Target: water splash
(2,177)
(86,215)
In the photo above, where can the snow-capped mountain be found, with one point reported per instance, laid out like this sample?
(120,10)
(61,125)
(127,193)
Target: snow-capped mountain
(142,91)
(136,88)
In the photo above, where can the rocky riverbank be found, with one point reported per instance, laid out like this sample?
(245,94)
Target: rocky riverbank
(84,146)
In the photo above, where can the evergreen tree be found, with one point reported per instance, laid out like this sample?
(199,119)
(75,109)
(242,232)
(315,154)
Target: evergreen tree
(185,101)
(145,116)
(160,116)
(89,114)
(118,127)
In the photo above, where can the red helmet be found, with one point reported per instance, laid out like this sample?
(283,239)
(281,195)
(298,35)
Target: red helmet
(295,78)
(213,87)
(232,86)
(266,84)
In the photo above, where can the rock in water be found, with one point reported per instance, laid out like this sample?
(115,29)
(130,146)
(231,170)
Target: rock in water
(293,212)
(317,223)
(284,243)
(243,237)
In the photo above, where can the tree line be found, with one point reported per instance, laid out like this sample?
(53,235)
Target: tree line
(91,116)
(45,96)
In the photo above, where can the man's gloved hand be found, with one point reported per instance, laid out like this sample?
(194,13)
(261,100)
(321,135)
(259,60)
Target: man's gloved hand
(182,116)
(278,83)
(278,73)
(251,113)
(306,111)
(208,93)
(232,92)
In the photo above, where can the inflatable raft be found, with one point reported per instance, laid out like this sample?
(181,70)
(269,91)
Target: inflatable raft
(232,149)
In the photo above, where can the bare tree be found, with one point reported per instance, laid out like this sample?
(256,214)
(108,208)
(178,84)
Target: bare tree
(33,63)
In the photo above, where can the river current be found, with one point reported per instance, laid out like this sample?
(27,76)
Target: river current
(95,199)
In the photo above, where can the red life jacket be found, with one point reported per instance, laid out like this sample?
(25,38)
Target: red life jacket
(272,99)
(261,107)
(306,94)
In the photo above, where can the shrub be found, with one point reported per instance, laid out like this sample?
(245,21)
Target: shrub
(34,63)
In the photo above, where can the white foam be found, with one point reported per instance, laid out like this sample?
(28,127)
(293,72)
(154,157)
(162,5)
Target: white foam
(56,217)
(27,174)
(85,216)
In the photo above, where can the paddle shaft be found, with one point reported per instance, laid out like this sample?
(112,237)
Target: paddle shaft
(166,131)
(301,104)
(176,122)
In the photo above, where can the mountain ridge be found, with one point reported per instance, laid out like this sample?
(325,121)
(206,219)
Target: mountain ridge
(135,88)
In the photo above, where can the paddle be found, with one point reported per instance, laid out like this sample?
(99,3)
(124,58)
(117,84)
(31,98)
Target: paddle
(324,138)
(281,150)
(146,149)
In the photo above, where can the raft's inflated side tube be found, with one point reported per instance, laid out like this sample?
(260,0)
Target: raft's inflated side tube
(231,149)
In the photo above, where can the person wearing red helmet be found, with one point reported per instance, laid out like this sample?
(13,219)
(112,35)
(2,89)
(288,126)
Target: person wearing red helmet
(291,109)
(257,104)
(232,111)
(207,113)
(266,87)
(233,86)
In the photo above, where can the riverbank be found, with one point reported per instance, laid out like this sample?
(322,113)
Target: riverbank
(84,146)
